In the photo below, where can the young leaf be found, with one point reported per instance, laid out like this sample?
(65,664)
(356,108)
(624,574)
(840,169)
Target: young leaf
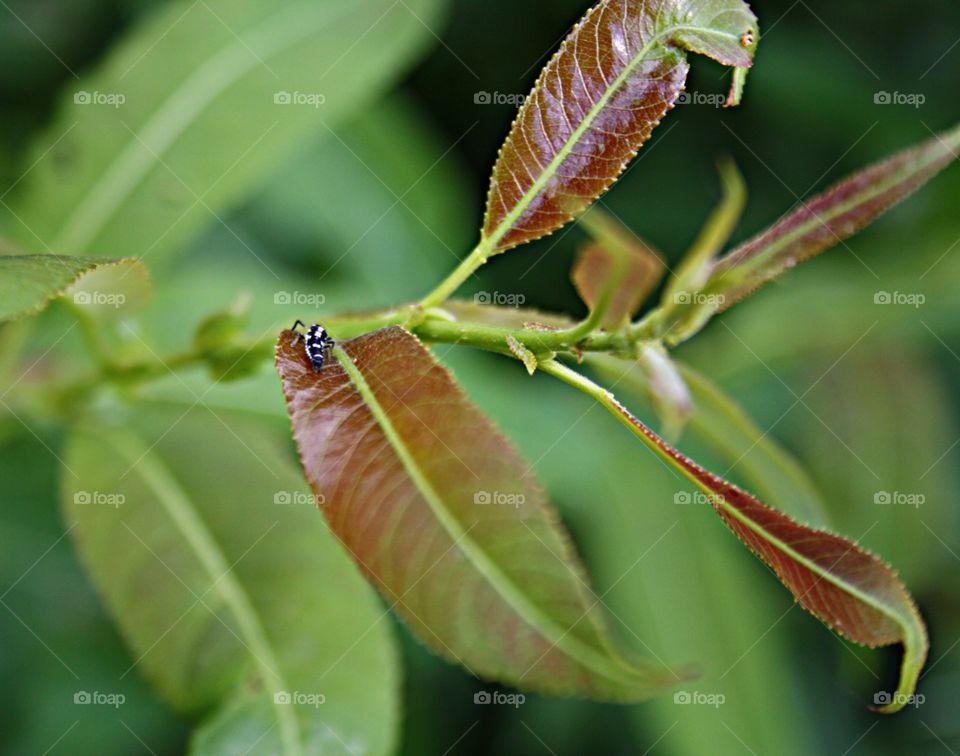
(28,282)
(200,103)
(616,272)
(850,590)
(223,581)
(440,512)
(597,101)
(828,219)
(694,270)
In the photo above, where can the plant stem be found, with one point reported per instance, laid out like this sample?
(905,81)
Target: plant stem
(448,287)
(610,403)
(432,325)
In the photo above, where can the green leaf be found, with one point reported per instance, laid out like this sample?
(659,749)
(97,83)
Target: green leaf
(29,282)
(902,480)
(196,106)
(416,202)
(844,586)
(597,101)
(223,580)
(220,338)
(448,522)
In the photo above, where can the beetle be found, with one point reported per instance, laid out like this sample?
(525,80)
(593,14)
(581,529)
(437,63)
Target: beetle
(316,342)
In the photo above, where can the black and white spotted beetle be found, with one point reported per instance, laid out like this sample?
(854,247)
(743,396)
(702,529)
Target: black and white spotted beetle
(316,343)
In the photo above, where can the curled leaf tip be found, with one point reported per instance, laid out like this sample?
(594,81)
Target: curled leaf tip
(598,100)
(847,588)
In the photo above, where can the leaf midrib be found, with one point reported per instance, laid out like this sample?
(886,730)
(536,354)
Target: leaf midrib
(176,112)
(650,439)
(909,623)
(785,465)
(503,585)
(188,521)
(854,591)
(504,227)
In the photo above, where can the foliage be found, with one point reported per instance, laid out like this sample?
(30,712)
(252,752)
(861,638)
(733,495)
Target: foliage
(245,610)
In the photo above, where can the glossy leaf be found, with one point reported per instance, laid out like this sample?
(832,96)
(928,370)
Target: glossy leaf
(200,103)
(597,101)
(437,508)
(29,282)
(850,590)
(829,218)
(752,450)
(205,545)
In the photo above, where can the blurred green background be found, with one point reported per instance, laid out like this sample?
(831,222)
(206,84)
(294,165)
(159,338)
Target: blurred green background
(377,202)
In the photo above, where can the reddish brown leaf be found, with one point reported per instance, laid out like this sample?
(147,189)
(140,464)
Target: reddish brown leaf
(852,591)
(443,516)
(634,272)
(849,589)
(830,218)
(598,100)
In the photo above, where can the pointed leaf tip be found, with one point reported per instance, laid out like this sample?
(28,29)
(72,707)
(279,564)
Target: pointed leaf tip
(847,588)
(844,586)
(830,218)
